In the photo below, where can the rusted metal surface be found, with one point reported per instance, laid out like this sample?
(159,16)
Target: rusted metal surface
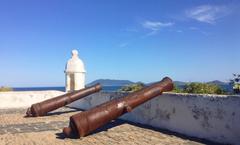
(42,108)
(83,123)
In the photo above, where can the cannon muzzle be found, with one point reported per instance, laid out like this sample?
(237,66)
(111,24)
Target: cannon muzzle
(83,123)
(42,108)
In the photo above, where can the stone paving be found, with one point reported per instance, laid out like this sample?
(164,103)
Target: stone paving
(16,129)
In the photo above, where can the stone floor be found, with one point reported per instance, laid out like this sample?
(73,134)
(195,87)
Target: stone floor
(16,129)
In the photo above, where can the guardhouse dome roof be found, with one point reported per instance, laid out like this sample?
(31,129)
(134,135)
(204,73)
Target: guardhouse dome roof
(75,64)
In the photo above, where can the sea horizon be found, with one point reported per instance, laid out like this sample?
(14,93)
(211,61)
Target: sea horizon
(61,88)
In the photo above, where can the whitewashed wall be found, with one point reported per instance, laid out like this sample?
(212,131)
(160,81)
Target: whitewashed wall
(213,117)
(18,99)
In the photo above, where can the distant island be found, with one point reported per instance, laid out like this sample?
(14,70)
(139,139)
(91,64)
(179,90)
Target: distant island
(110,82)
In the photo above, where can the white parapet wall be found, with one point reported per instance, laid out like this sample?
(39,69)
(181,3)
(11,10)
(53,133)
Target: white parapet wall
(23,99)
(212,117)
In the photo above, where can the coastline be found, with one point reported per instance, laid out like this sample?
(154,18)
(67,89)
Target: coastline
(104,88)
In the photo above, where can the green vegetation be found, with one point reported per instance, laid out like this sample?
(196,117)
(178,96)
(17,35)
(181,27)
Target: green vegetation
(200,88)
(177,89)
(235,82)
(132,87)
(203,88)
(5,89)
(193,88)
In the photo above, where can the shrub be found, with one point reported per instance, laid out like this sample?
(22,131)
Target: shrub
(235,82)
(5,89)
(203,88)
(132,87)
(177,90)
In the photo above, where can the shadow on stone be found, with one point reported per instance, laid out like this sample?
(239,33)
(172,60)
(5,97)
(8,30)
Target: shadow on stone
(60,135)
(60,112)
(167,132)
(68,110)
(171,133)
(63,136)
(110,125)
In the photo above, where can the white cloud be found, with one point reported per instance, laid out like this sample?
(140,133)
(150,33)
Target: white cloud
(155,26)
(207,13)
(196,29)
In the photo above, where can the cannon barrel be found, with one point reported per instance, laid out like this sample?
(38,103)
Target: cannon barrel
(83,123)
(42,108)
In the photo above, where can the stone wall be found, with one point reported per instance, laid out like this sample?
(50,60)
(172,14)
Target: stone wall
(212,117)
(19,99)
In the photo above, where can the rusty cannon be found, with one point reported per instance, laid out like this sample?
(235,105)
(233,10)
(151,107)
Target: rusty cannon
(84,123)
(42,108)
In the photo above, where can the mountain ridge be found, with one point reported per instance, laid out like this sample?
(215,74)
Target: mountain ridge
(111,82)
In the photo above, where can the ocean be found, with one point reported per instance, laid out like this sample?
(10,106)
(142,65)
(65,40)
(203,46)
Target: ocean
(104,88)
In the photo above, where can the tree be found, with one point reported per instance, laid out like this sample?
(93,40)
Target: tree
(176,89)
(235,82)
(203,88)
(132,87)
(5,89)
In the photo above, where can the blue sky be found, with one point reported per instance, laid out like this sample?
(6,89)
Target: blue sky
(128,39)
